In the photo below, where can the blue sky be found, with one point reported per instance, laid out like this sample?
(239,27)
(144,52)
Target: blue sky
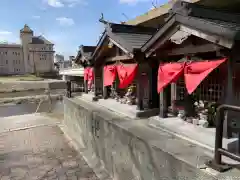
(67,23)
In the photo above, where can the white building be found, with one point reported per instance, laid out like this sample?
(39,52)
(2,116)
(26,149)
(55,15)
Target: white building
(59,59)
(35,54)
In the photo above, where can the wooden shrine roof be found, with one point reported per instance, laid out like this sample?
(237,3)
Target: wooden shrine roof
(85,52)
(126,37)
(200,18)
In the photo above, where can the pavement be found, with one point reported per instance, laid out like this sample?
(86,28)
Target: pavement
(33,147)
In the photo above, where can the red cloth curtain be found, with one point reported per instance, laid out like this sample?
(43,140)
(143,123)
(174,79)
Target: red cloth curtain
(86,70)
(196,72)
(109,75)
(90,77)
(126,74)
(168,73)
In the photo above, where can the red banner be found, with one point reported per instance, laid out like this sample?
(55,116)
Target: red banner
(168,73)
(86,70)
(196,72)
(90,77)
(126,74)
(109,75)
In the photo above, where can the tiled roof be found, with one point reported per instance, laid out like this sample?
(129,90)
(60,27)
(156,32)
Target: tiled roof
(130,37)
(40,40)
(10,45)
(220,23)
(86,52)
(232,5)
(127,37)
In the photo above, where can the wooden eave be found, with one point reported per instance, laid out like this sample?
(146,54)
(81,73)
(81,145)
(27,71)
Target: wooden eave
(108,35)
(210,31)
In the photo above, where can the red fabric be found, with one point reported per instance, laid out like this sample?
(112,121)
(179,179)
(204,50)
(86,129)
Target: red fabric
(109,75)
(168,73)
(90,77)
(86,70)
(196,72)
(126,74)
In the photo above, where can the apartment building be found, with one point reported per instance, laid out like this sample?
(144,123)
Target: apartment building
(35,54)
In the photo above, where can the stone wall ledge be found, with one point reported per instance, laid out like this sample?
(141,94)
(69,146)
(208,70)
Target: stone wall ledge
(148,153)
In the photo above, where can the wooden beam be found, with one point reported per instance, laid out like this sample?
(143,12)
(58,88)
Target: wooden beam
(122,48)
(118,58)
(166,36)
(211,38)
(191,49)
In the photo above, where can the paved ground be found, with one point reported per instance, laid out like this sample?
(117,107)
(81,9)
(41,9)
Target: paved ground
(38,153)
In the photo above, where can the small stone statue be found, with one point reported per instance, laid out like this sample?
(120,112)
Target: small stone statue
(130,98)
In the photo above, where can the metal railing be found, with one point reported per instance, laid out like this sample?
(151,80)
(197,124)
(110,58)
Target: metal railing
(217,163)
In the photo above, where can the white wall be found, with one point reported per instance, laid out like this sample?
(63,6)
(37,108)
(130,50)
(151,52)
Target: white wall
(42,56)
(11,60)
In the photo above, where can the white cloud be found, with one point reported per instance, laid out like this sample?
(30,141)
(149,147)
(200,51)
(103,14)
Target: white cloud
(72,3)
(5,33)
(63,3)
(55,3)
(132,1)
(64,21)
(36,17)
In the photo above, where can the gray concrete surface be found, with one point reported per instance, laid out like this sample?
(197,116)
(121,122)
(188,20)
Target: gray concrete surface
(204,137)
(32,147)
(10,86)
(27,99)
(126,148)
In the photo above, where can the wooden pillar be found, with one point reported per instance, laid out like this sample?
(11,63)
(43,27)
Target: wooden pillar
(105,89)
(163,104)
(139,88)
(69,90)
(153,85)
(229,98)
(173,92)
(95,81)
(85,86)
(163,107)
(98,81)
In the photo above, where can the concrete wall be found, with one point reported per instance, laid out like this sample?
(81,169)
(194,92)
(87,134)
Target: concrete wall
(10,86)
(127,149)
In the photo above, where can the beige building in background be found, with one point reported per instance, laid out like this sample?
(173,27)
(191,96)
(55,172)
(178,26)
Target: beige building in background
(35,54)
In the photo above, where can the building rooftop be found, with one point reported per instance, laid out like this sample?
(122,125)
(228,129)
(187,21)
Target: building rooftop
(157,14)
(85,52)
(26,29)
(201,18)
(127,37)
(3,45)
(40,40)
